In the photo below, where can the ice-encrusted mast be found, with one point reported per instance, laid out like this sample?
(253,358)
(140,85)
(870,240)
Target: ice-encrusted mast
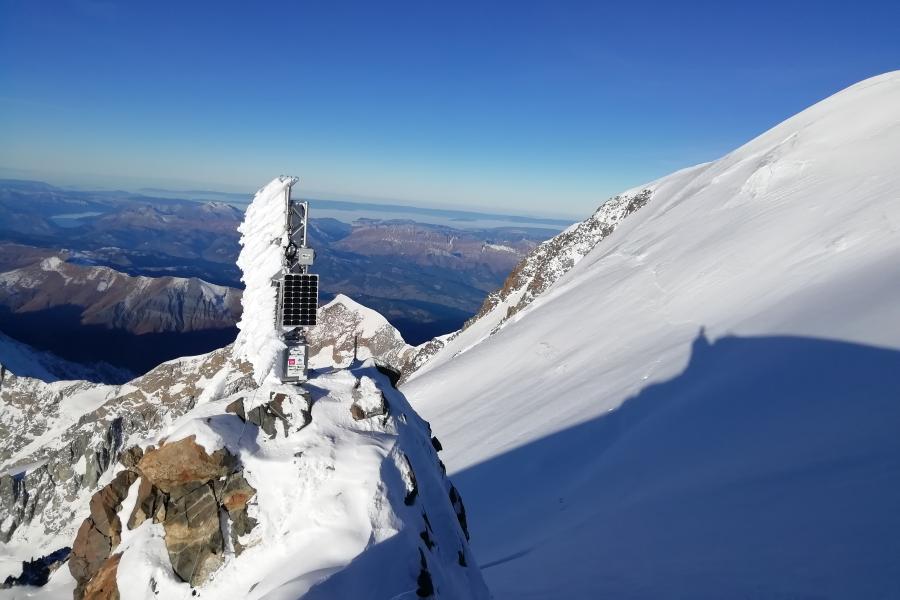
(280,296)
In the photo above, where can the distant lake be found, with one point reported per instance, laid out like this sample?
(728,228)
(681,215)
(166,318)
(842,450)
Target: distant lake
(73,219)
(348,211)
(488,221)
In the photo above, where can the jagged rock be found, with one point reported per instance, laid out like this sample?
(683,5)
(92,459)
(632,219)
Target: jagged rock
(181,465)
(151,504)
(101,532)
(265,416)
(37,572)
(103,585)
(46,497)
(436,444)
(236,493)
(130,457)
(89,552)
(193,534)
(106,503)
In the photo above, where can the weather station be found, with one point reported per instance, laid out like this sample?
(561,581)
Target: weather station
(298,289)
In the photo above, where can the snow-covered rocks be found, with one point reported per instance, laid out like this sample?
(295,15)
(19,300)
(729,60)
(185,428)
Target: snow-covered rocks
(342,506)
(347,330)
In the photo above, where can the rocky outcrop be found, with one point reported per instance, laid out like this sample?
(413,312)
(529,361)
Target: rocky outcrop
(188,491)
(177,466)
(37,572)
(552,259)
(348,331)
(48,494)
(100,533)
(103,585)
(276,410)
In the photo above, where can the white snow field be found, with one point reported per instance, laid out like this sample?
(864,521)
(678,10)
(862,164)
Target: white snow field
(708,404)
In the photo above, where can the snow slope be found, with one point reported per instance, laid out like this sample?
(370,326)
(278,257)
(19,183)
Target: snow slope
(332,520)
(708,404)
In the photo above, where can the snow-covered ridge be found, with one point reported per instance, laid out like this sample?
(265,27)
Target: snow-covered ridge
(709,397)
(338,504)
(348,330)
(113,299)
(534,274)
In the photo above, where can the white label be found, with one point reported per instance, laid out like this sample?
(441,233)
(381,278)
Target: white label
(296,362)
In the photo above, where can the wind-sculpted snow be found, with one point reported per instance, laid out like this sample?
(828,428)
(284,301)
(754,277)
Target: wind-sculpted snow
(260,261)
(706,404)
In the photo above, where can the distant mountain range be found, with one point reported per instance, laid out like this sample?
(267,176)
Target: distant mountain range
(427,279)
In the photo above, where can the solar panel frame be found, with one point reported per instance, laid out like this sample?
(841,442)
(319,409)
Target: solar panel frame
(299,299)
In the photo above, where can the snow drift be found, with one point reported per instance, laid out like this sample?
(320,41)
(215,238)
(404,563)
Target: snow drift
(706,404)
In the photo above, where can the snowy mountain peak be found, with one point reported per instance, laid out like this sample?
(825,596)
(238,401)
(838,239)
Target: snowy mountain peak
(677,459)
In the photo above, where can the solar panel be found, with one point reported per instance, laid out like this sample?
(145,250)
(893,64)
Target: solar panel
(299,300)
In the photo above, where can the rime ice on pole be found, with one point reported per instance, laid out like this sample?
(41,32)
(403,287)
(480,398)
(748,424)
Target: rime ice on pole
(260,261)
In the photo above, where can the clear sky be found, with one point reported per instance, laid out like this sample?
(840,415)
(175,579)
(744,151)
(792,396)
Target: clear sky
(545,107)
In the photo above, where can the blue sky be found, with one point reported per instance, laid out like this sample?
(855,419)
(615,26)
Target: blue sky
(525,107)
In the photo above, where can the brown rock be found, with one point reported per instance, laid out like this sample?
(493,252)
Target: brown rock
(89,551)
(106,503)
(237,493)
(130,457)
(103,585)
(193,535)
(151,504)
(183,465)
(237,408)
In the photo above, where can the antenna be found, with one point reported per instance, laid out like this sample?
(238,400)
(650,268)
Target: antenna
(298,289)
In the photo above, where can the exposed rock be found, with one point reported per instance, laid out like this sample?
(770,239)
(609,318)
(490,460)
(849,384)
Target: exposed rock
(193,534)
(409,480)
(37,572)
(44,498)
(130,457)
(106,503)
(176,467)
(151,504)
(436,444)
(236,493)
(89,552)
(266,416)
(103,586)
(535,273)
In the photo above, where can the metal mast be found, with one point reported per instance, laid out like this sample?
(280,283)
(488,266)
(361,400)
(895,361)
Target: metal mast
(298,289)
